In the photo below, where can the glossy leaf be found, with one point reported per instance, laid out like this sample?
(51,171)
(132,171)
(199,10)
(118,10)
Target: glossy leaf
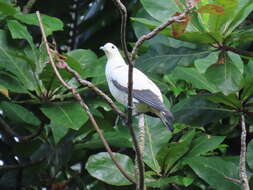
(154,130)
(59,131)
(102,167)
(203,144)
(67,114)
(226,77)
(7,9)
(169,155)
(202,64)
(11,83)
(229,100)
(198,111)
(213,171)
(50,24)
(192,76)
(166,8)
(18,113)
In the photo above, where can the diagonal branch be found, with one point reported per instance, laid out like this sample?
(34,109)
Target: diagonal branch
(123,12)
(84,106)
(243,174)
(12,133)
(154,32)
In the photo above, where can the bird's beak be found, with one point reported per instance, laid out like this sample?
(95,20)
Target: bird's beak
(102,48)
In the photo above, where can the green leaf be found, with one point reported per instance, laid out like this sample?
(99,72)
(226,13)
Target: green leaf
(50,24)
(119,138)
(165,63)
(166,8)
(213,171)
(229,100)
(243,9)
(59,131)
(164,181)
(250,154)
(102,167)
(226,76)
(219,23)
(191,75)
(7,9)
(154,130)
(169,155)
(67,114)
(203,63)
(236,60)
(203,144)
(197,110)
(19,114)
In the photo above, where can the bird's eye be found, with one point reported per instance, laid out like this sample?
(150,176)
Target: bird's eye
(112,47)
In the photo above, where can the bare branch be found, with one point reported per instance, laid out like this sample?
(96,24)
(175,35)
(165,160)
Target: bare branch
(243,173)
(123,12)
(235,50)
(12,133)
(84,106)
(232,179)
(154,32)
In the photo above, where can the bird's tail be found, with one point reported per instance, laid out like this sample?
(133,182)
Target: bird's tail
(167,119)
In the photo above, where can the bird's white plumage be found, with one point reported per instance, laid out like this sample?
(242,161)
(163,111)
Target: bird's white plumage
(117,70)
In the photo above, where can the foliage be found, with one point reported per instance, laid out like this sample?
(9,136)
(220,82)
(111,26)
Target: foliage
(206,86)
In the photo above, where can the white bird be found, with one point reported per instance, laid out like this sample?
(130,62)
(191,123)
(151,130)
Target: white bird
(147,97)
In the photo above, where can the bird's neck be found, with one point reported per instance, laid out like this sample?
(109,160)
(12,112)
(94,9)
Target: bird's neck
(115,61)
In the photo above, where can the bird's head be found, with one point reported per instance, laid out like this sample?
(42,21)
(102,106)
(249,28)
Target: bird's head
(110,50)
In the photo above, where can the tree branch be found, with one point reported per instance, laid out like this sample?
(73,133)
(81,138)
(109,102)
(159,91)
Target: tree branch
(12,133)
(243,173)
(84,106)
(123,12)
(154,32)
(235,50)
(89,85)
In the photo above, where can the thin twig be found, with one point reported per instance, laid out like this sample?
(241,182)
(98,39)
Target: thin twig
(154,32)
(28,6)
(123,12)
(232,179)
(243,174)
(141,126)
(12,133)
(84,106)
(237,51)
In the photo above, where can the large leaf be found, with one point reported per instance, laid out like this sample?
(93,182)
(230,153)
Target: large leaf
(203,144)
(117,138)
(192,76)
(50,24)
(213,171)
(67,114)
(59,131)
(250,154)
(203,63)
(226,76)
(7,9)
(102,167)
(244,8)
(198,111)
(19,31)
(169,155)
(166,8)
(18,113)
(154,130)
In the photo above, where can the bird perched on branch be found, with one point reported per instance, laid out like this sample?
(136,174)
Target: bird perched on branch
(147,97)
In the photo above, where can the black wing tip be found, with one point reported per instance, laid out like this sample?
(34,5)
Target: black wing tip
(168,120)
